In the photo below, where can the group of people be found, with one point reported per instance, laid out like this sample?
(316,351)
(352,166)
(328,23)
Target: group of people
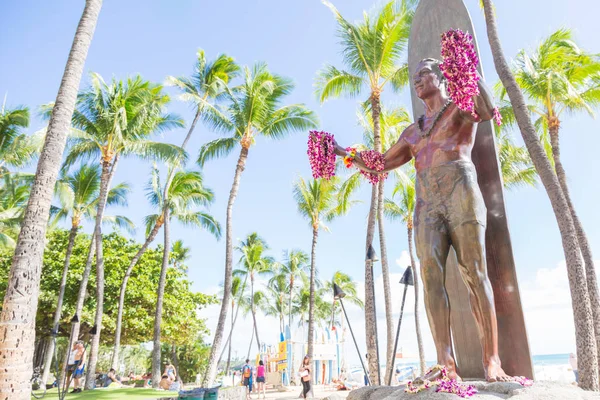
(251,375)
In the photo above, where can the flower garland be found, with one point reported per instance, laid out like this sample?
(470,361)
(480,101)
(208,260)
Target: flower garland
(321,154)
(460,70)
(444,384)
(373,160)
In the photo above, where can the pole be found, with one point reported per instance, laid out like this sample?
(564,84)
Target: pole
(376,335)
(355,344)
(398,331)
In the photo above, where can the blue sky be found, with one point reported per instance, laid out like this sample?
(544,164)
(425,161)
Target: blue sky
(295,39)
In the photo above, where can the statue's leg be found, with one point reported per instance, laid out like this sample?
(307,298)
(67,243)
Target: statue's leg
(432,244)
(467,221)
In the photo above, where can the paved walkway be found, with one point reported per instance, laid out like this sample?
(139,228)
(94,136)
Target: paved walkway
(320,392)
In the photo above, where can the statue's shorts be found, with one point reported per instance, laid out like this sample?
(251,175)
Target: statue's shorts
(448,196)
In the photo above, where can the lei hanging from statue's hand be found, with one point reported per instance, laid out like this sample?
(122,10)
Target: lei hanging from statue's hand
(321,156)
(460,70)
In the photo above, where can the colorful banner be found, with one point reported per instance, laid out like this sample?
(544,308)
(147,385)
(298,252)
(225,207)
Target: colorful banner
(282,356)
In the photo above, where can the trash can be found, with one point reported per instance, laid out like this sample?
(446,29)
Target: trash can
(200,394)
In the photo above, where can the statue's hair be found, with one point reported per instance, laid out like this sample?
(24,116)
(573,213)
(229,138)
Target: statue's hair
(435,67)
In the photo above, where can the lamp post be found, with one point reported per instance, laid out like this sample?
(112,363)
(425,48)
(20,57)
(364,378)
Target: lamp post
(407,280)
(338,294)
(371,258)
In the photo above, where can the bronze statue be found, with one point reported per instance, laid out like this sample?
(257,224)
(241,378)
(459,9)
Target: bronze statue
(449,210)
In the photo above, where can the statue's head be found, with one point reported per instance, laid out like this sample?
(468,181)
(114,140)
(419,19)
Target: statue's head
(428,79)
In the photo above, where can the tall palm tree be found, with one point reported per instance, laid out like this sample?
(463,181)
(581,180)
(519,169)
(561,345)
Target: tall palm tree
(185,192)
(322,308)
(205,85)
(393,121)
(516,167)
(253,263)
(348,286)
(275,304)
(256,110)
(17,319)
(582,310)
(113,120)
(179,255)
(78,197)
(16,148)
(295,265)
(237,292)
(403,210)
(372,50)
(560,77)
(318,202)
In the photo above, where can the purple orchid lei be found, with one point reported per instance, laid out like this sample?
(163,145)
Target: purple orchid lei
(321,154)
(460,70)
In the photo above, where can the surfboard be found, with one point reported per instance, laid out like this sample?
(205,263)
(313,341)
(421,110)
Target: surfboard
(431,19)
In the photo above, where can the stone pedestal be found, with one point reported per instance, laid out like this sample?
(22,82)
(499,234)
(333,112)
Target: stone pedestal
(487,391)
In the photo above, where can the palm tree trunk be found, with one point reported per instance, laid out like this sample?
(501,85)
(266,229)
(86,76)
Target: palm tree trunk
(250,345)
(413,267)
(59,302)
(216,345)
(290,302)
(159,301)
(237,311)
(229,341)
(385,271)
(584,246)
(582,310)
(115,357)
(108,170)
(370,317)
(311,304)
(252,308)
(17,319)
(81,296)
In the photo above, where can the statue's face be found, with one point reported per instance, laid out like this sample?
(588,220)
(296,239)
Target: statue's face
(425,81)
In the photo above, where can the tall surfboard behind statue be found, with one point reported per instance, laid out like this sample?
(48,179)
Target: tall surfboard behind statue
(432,18)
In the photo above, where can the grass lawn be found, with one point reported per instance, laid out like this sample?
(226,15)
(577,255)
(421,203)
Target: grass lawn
(114,394)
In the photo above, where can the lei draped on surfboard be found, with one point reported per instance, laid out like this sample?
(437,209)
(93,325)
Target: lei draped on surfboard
(321,156)
(459,67)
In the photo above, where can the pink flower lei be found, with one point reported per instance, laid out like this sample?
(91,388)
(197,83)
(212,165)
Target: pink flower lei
(321,154)
(460,70)
(374,160)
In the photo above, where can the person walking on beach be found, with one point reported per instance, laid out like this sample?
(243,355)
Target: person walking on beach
(305,374)
(260,379)
(247,376)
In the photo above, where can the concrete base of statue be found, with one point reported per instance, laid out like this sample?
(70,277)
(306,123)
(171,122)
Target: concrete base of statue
(543,390)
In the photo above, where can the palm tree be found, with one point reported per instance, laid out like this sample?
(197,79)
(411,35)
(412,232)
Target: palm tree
(318,202)
(582,310)
(184,193)
(202,88)
(237,292)
(275,304)
(205,85)
(21,297)
(78,196)
(295,265)
(404,210)
(253,263)
(515,164)
(255,110)
(16,148)
(560,77)
(393,122)
(113,120)
(372,50)
(322,308)
(348,286)
(179,255)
